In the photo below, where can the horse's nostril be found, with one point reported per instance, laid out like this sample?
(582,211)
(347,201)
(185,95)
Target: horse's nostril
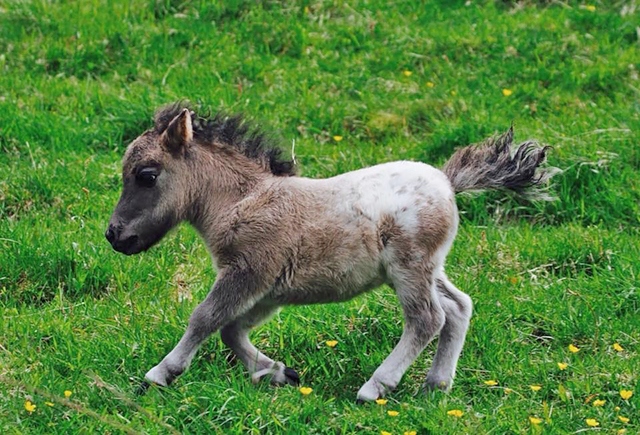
(110,234)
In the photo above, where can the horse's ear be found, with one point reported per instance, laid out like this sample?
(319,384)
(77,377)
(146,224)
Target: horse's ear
(179,132)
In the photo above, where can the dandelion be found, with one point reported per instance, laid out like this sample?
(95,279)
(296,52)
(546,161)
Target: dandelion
(393,413)
(562,366)
(381,401)
(599,402)
(337,138)
(491,383)
(30,407)
(623,419)
(410,432)
(430,84)
(617,347)
(592,422)
(455,413)
(305,391)
(507,92)
(626,394)
(49,403)
(331,343)
(573,349)
(535,387)
(384,432)
(621,431)
(67,393)
(535,420)
(590,8)
(407,73)
(616,409)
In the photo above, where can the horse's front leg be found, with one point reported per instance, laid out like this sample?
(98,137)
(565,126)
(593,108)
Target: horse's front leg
(234,292)
(236,336)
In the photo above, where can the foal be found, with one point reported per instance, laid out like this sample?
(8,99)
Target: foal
(278,239)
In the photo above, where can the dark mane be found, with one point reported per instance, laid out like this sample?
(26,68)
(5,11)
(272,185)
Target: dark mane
(233,131)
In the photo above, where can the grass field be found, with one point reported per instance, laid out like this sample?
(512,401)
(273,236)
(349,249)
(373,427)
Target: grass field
(354,84)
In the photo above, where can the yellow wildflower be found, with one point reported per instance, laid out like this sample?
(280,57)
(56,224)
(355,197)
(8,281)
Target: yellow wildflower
(599,402)
(573,349)
(621,431)
(407,73)
(626,394)
(455,413)
(562,366)
(393,413)
(592,422)
(305,391)
(590,8)
(331,343)
(623,419)
(49,403)
(535,387)
(617,347)
(410,432)
(67,393)
(506,92)
(384,432)
(616,409)
(30,407)
(381,401)
(430,84)
(491,383)
(337,138)
(535,420)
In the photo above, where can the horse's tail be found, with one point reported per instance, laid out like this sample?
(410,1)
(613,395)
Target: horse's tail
(493,165)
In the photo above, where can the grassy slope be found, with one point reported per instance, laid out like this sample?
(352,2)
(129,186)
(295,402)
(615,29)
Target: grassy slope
(79,80)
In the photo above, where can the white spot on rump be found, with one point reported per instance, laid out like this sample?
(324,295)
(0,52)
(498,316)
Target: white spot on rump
(374,191)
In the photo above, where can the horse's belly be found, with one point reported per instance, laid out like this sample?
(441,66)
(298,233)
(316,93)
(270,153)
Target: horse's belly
(328,287)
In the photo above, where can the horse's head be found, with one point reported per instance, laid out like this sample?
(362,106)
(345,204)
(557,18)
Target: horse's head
(155,192)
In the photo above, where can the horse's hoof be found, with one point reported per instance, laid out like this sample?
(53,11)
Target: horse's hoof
(292,376)
(436,384)
(372,390)
(279,375)
(142,389)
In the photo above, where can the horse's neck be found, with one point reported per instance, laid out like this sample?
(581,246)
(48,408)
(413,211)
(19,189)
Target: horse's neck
(223,187)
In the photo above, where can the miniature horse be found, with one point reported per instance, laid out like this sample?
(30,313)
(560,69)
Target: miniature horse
(279,239)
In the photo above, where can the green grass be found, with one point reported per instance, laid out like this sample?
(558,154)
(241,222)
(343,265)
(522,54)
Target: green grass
(79,80)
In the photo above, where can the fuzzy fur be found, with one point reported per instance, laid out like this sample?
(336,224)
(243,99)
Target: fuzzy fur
(280,240)
(497,164)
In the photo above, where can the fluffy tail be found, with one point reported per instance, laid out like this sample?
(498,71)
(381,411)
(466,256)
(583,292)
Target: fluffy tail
(493,164)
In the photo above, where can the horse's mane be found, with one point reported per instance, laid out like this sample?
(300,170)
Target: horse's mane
(233,131)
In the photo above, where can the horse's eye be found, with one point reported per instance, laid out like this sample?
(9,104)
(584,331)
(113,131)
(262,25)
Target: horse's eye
(147,177)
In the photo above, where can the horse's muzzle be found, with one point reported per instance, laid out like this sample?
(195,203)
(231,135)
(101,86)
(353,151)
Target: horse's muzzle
(127,246)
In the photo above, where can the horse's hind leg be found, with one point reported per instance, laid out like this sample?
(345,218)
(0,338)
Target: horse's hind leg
(235,336)
(457,307)
(424,317)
